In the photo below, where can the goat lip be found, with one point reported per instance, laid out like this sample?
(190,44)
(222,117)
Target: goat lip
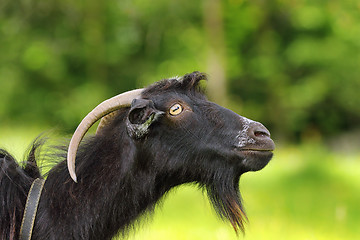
(255,150)
(254,158)
(267,147)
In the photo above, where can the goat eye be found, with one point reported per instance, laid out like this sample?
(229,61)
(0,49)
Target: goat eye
(175,109)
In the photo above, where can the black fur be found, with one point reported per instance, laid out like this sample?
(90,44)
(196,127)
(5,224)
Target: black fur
(121,177)
(15,182)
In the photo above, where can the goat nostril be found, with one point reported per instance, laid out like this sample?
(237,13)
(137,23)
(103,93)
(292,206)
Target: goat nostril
(259,131)
(261,134)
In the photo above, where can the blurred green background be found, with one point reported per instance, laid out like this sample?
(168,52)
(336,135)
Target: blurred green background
(292,65)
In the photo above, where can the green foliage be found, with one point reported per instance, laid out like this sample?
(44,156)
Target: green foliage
(296,61)
(60,58)
(292,65)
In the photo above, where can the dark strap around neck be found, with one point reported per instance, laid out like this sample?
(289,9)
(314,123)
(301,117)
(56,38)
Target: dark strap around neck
(32,202)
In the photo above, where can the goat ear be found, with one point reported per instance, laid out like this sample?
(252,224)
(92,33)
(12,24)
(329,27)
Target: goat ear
(141,115)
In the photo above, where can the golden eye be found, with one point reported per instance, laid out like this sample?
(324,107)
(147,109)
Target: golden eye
(175,109)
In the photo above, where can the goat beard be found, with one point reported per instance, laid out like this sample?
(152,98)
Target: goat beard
(226,199)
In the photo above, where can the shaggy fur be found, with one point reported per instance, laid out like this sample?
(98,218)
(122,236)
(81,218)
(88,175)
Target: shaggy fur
(120,177)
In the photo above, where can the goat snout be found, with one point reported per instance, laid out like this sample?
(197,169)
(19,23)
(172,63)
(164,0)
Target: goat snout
(254,136)
(258,131)
(261,135)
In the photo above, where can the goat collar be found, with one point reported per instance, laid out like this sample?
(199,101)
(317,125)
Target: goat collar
(32,202)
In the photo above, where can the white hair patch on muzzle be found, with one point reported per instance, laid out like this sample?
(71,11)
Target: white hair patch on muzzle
(243,135)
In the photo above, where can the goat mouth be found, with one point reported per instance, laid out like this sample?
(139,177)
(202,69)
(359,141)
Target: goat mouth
(254,150)
(254,159)
(262,148)
(257,153)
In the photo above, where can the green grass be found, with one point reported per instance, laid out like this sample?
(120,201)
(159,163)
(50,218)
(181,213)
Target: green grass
(306,193)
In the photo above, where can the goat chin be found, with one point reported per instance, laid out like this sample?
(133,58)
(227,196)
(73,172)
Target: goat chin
(169,135)
(254,160)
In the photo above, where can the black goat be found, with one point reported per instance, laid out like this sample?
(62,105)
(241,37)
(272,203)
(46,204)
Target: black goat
(169,135)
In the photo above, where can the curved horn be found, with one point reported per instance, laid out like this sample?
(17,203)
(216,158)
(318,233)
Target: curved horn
(104,108)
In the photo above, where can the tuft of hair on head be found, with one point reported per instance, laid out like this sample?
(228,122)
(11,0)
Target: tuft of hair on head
(191,82)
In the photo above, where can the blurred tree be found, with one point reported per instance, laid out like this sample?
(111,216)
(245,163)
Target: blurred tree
(214,27)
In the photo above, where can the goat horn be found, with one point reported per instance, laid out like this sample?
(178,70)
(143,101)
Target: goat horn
(104,108)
